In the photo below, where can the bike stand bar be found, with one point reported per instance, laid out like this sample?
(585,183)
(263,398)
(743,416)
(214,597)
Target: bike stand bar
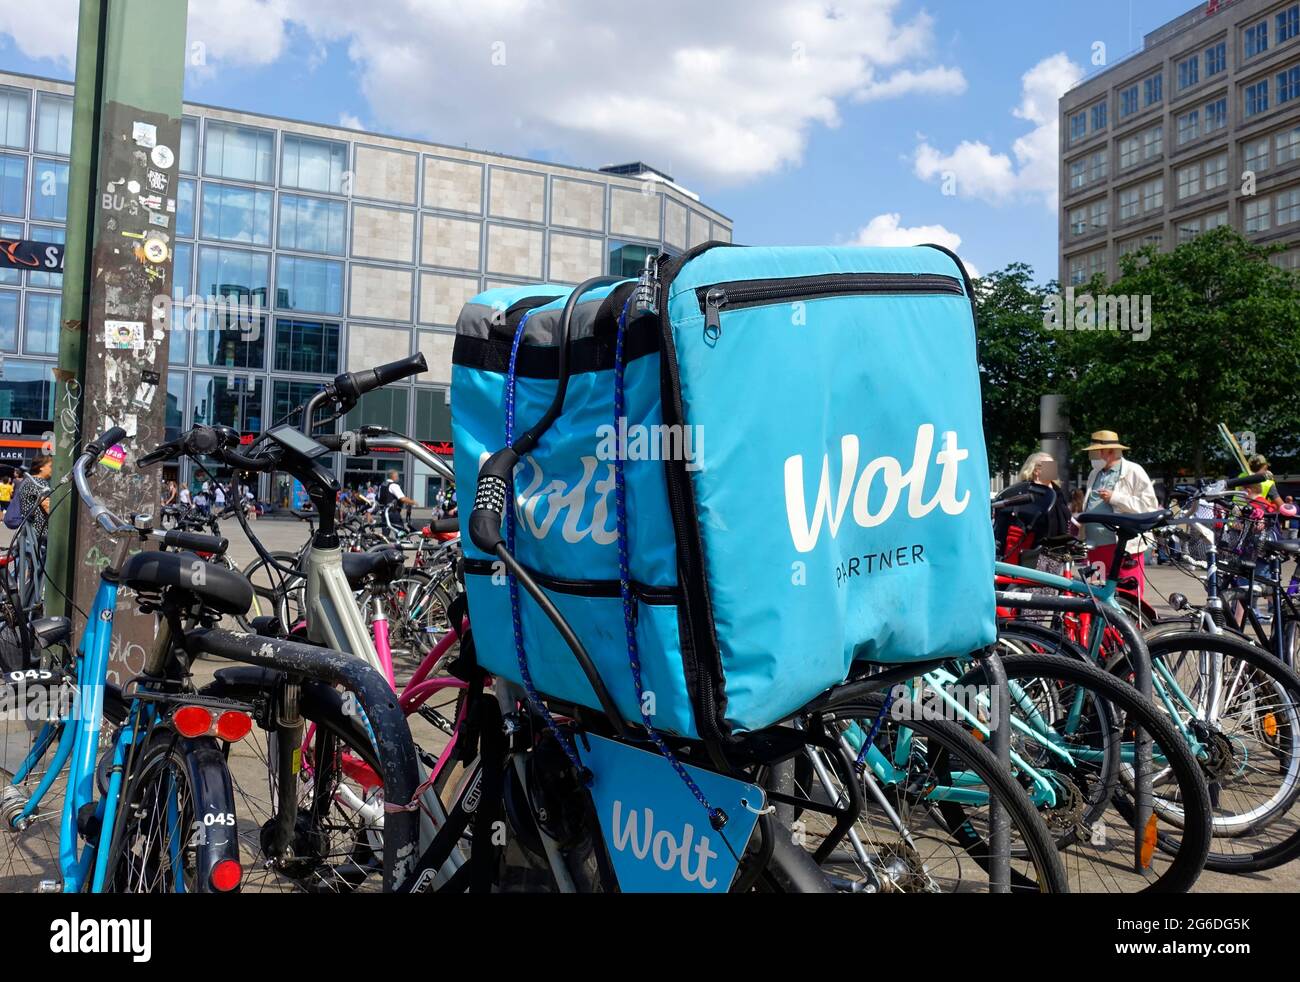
(1140,660)
(1000,742)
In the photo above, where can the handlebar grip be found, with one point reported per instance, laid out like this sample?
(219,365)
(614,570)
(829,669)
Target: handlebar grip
(1016,499)
(106,440)
(490,498)
(195,541)
(446,525)
(353,385)
(352,442)
(1249,479)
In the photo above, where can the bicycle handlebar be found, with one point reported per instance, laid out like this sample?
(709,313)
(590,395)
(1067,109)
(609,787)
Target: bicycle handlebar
(193,541)
(353,385)
(1248,481)
(1017,499)
(99,512)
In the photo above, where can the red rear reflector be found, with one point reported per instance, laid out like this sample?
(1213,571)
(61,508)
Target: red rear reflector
(226,875)
(233,725)
(192,721)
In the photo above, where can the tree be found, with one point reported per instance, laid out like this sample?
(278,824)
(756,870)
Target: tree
(1224,346)
(1018,362)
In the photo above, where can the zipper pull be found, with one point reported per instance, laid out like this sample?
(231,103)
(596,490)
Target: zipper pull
(714,301)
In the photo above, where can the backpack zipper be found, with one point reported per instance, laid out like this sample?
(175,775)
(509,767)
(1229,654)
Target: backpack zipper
(757,293)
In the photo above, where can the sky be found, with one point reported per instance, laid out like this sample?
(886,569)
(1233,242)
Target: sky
(807,122)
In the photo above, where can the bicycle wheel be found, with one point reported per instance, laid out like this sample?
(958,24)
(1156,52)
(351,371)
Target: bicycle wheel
(275,593)
(1072,733)
(910,834)
(177,830)
(337,843)
(29,837)
(1242,706)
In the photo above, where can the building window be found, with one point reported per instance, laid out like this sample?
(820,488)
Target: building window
(229,338)
(313,224)
(13,185)
(383,407)
(11,230)
(314,285)
(50,191)
(1256,39)
(1130,152)
(1188,229)
(13,118)
(1189,181)
(1189,126)
(1079,222)
(182,272)
(629,260)
(1255,154)
(1153,142)
(1128,102)
(1216,219)
(41,324)
(1078,174)
(288,396)
(1216,171)
(1287,143)
(1098,164)
(236,214)
(1288,23)
(1083,268)
(1216,58)
(1256,100)
(306,346)
(1289,261)
(1078,126)
(184,322)
(1216,116)
(47,233)
(174,422)
(1288,85)
(185,192)
(53,123)
(239,153)
(1257,215)
(9,319)
(189,158)
(1153,89)
(26,391)
(313,165)
(1099,213)
(1099,116)
(1129,202)
(432,415)
(228,400)
(234,273)
(1287,205)
(1153,194)
(1189,72)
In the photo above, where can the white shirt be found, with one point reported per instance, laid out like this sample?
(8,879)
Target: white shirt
(221,495)
(396,491)
(185,496)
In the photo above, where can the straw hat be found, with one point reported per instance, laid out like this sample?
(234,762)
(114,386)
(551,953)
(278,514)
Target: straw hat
(1105,440)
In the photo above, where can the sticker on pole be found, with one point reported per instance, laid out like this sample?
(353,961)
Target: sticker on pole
(123,335)
(658,836)
(114,457)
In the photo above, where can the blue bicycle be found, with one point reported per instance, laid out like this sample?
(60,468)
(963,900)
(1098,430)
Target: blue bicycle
(123,789)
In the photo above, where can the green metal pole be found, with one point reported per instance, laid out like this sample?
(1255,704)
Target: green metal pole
(118,281)
(76,292)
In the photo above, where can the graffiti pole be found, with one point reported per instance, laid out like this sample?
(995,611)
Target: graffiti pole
(118,277)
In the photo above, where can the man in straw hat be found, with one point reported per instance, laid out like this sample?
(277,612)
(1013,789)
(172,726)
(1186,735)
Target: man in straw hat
(1116,485)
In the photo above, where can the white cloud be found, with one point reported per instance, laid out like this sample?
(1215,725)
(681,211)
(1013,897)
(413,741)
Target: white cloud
(51,33)
(888,230)
(975,170)
(350,122)
(931,81)
(733,97)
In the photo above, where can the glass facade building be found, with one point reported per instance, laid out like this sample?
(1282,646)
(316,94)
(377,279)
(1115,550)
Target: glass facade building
(358,248)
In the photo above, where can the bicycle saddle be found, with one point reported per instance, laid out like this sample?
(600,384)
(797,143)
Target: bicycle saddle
(1132,524)
(218,588)
(1281,547)
(384,563)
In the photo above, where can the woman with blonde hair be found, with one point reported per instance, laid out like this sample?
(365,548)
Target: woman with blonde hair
(1046,515)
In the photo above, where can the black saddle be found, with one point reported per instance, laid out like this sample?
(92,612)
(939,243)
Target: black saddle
(1129,525)
(218,588)
(384,563)
(1286,548)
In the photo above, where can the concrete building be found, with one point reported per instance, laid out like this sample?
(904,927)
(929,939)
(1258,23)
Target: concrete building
(1199,128)
(361,247)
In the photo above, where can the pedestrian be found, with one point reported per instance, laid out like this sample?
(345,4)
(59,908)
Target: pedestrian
(34,499)
(219,497)
(6,491)
(1267,489)
(1045,516)
(1117,485)
(184,497)
(392,499)
(1291,525)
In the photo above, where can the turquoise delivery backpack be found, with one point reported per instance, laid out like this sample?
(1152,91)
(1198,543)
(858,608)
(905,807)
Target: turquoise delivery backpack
(804,469)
